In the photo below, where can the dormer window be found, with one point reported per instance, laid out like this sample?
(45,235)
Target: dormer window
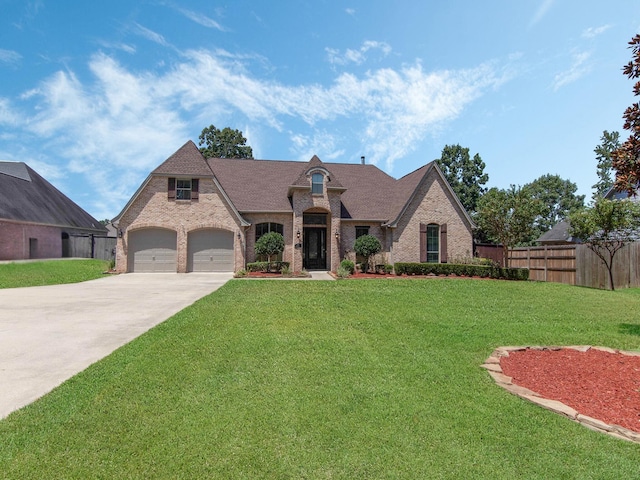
(317,184)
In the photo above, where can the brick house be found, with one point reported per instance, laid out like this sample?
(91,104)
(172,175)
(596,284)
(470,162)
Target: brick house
(36,219)
(197,214)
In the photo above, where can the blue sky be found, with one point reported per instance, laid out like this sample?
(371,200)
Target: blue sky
(94,95)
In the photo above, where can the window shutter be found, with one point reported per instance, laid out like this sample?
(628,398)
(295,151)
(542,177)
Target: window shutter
(194,189)
(172,189)
(423,242)
(443,243)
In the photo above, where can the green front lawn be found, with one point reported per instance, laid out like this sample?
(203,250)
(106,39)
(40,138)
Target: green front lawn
(348,379)
(50,272)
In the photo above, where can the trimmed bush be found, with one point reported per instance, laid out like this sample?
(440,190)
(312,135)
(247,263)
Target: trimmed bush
(267,266)
(483,271)
(343,272)
(269,244)
(349,266)
(367,246)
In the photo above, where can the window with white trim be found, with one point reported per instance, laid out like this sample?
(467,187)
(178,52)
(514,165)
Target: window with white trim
(317,184)
(183,189)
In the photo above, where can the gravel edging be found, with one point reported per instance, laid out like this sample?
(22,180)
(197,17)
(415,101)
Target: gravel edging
(492,365)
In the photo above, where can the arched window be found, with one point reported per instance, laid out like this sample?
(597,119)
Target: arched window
(266,227)
(317,183)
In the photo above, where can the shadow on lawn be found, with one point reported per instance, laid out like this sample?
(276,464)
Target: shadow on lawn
(630,329)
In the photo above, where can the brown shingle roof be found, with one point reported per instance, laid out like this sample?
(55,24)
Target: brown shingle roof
(265,185)
(186,161)
(262,185)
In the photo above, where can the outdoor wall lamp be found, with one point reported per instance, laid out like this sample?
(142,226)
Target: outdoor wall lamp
(120,233)
(337,235)
(298,235)
(238,235)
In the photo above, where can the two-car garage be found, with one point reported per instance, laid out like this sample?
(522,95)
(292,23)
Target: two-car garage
(155,250)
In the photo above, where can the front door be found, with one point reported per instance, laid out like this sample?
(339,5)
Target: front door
(315,248)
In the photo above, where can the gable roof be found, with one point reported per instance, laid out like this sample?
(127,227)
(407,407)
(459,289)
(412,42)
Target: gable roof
(186,161)
(368,193)
(27,197)
(559,233)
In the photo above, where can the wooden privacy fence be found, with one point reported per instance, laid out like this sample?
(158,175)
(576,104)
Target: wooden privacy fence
(578,265)
(90,246)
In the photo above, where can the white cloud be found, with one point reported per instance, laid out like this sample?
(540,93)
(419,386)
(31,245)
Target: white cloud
(356,56)
(149,34)
(119,125)
(9,56)
(541,12)
(201,19)
(592,32)
(350,11)
(579,67)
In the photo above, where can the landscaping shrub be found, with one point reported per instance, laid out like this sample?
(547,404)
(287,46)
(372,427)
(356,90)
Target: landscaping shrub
(267,266)
(270,244)
(348,265)
(343,272)
(466,270)
(367,246)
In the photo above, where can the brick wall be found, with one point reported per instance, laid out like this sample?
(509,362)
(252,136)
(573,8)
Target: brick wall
(348,238)
(286,219)
(432,204)
(14,240)
(152,208)
(329,202)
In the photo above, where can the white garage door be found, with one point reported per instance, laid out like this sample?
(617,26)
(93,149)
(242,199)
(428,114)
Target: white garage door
(152,250)
(210,250)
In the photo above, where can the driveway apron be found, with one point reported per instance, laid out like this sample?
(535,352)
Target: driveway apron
(48,334)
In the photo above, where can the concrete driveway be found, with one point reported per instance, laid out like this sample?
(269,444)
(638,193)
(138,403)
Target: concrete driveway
(48,334)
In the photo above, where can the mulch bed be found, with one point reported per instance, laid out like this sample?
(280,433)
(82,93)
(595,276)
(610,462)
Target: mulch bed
(596,383)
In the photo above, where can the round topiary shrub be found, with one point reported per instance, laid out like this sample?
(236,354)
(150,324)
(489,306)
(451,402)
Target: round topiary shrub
(367,246)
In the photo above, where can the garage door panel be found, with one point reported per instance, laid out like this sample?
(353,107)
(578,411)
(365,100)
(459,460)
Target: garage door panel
(210,250)
(152,250)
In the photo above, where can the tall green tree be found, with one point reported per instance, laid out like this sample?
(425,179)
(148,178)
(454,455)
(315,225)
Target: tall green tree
(465,174)
(626,159)
(606,227)
(557,199)
(609,143)
(507,217)
(225,143)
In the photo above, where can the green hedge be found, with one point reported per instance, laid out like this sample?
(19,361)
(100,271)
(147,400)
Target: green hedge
(461,270)
(262,266)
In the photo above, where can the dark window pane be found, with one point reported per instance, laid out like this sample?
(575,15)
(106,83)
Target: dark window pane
(316,183)
(360,231)
(315,218)
(433,243)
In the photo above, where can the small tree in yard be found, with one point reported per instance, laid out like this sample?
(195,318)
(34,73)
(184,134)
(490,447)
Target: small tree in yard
(606,227)
(367,246)
(269,244)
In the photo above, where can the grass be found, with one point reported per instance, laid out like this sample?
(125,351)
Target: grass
(348,379)
(50,272)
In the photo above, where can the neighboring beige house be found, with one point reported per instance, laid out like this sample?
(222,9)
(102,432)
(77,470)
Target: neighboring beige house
(196,214)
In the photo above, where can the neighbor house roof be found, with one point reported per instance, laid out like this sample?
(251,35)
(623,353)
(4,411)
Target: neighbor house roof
(27,197)
(560,233)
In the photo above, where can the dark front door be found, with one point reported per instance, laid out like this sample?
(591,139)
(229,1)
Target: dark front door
(315,248)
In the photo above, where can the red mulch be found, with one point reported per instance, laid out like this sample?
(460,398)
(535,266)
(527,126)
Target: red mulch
(599,384)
